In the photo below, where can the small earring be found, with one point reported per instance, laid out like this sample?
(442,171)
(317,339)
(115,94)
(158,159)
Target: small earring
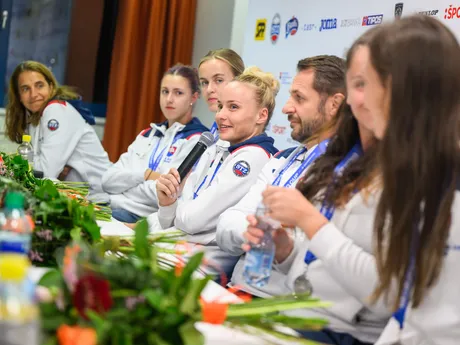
(191,103)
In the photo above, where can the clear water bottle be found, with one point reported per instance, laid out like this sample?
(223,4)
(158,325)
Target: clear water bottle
(26,150)
(19,317)
(259,259)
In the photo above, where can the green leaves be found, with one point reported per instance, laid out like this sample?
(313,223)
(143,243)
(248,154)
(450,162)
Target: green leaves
(142,248)
(190,335)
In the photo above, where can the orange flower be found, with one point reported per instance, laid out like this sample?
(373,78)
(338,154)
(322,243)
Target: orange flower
(75,335)
(214,312)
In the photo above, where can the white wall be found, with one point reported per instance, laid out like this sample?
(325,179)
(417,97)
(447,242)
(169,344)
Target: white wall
(219,24)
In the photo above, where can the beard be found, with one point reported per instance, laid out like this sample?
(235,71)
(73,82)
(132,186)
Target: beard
(308,129)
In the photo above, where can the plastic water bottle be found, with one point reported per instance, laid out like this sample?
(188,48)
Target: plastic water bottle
(19,317)
(259,260)
(26,150)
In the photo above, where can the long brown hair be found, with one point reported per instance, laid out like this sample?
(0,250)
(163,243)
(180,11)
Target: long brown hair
(418,57)
(358,175)
(16,114)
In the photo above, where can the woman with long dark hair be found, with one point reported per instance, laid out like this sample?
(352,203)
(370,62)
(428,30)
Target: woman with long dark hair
(412,88)
(335,261)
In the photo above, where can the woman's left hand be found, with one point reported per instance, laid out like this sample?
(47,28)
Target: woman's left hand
(290,207)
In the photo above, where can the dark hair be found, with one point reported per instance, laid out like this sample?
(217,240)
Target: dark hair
(187,72)
(228,56)
(358,174)
(16,113)
(329,74)
(417,57)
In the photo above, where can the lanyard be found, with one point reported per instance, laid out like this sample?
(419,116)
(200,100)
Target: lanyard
(206,177)
(328,210)
(155,162)
(400,314)
(214,131)
(318,151)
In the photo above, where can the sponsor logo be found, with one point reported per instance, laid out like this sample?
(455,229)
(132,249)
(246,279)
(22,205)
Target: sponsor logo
(429,13)
(372,20)
(309,27)
(275,29)
(292,26)
(328,24)
(278,129)
(346,23)
(53,125)
(452,12)
(399,10)
(261,24)
(285,78)
(241,168)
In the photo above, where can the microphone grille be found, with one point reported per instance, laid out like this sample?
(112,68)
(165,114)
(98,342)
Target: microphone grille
(207,138)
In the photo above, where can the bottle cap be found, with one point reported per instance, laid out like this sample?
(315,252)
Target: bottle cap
(26,138)
(14,200)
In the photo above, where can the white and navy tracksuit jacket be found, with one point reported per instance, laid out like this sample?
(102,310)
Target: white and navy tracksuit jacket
(222,177)
(64,136)
(159,148)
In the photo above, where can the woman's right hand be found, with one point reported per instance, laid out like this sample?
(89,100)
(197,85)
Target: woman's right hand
(168,188)
(284,244)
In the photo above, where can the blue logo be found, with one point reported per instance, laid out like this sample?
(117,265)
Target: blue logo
(241,168)
(291,27)
(53,125)
(328,24)
(276,28)
(372,20)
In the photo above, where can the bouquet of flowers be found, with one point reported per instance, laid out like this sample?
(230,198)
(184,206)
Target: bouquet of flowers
(141,299)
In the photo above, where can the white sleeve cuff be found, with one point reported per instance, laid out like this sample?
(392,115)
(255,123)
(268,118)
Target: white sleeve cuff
(167,214)
(286,265)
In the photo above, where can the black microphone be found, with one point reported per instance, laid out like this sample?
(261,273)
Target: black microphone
(206,140)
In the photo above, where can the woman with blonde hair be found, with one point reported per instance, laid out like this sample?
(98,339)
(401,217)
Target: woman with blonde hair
(222,178)
(65,145)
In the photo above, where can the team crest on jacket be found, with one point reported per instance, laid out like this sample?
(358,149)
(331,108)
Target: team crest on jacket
(172,150)
(53,125)
(241,168)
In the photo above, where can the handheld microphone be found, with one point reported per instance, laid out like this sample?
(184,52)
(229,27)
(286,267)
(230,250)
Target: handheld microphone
(206,140)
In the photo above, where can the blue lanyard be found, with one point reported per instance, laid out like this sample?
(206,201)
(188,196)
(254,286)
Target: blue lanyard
(318,151)
(155,162)
(205,178)
(214,131)
(400,314)
(328,210)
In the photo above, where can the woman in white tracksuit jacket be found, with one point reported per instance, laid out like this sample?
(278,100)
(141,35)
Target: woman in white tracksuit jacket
(131,181)
(344,271)
(223,176)
(418,220)
(65,144)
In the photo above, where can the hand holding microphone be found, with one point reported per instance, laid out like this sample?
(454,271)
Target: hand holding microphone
(169,186)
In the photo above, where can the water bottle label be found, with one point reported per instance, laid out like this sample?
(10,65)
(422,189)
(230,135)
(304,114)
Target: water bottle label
(12,243)
(257,260)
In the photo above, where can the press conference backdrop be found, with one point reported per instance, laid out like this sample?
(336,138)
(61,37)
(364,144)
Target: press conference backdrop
(281,32)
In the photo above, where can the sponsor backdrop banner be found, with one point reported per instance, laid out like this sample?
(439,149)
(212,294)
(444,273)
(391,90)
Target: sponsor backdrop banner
(281,32)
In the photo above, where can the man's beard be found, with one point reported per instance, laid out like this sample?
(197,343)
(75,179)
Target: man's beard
(308,129)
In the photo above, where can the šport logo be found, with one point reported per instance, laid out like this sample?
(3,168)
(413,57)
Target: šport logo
(452,12)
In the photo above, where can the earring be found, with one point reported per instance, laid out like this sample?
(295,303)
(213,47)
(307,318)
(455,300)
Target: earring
(191,103)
